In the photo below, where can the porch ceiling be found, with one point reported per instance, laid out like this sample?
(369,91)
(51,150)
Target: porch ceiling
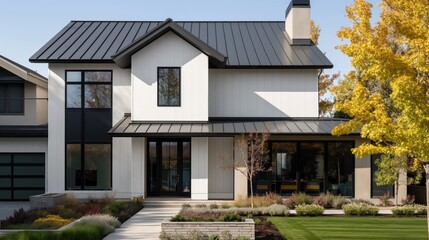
(318,126)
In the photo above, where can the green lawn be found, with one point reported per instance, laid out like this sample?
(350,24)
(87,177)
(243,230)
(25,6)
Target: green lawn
(314,228)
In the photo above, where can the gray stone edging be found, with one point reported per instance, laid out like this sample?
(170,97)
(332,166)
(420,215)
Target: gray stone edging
(246,228)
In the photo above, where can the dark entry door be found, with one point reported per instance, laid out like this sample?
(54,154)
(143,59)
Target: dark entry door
(169,167)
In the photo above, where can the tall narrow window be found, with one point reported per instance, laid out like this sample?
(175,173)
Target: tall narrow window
(11,98)
(168,86)
(88,119)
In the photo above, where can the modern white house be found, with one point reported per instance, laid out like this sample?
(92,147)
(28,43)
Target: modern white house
(23,131)
(151,107)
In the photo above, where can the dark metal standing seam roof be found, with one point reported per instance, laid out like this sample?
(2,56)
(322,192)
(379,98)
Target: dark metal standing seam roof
(127,128)
(247,44)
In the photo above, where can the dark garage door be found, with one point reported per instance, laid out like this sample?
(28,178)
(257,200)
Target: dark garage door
(21,175)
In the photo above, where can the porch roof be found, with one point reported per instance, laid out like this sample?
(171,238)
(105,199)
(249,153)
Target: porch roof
(287,126)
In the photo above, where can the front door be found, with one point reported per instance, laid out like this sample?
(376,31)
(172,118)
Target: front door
(169,167)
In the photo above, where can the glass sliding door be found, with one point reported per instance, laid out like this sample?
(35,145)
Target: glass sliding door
(169,167)
(312,173)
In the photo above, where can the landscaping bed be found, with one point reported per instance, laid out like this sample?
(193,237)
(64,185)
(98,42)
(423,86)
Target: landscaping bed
(68,211)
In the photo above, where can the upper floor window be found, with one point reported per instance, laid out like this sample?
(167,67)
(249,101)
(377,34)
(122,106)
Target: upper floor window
(89,89)
(168,86)
(11,98)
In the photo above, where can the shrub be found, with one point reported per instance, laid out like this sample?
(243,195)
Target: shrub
(186,205)
(242,238)
(409,210)
(226,235)
(309,210)
(360,209)
(225,206)
(138,200)
(52,222)
(115,207)
(259,201)
(82,232)
(230,218)
(297,199)
(196,235)
(213,206)
(278,210)
(385,199)
(324,199)
(410,199)
(214,237)
(363,201)
(107,222)
(338,202)
(19,216)
(201,205)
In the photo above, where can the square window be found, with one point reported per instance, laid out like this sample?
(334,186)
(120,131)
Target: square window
(98,96)
(11,98)
(74,76)
(168,86)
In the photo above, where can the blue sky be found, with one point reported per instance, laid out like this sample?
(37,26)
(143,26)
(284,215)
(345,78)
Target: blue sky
(26,25)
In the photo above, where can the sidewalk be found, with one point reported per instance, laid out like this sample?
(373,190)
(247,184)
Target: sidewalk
(146,224)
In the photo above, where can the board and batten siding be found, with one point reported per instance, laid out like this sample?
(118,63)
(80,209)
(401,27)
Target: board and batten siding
(263,93)
(221,177)
(121,147)
(169,51)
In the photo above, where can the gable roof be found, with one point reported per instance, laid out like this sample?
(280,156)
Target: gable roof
(123,56)
(246,44)
(23,72)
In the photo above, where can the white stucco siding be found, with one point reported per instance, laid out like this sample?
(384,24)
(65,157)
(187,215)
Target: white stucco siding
(170,51)
(263,93)
(199,168)
(121,148)
(221,177)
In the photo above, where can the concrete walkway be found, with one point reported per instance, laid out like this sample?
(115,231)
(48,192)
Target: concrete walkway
(146,224)
(7,208)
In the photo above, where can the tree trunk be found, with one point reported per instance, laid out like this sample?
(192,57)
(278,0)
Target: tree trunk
(251,192)
(426,167)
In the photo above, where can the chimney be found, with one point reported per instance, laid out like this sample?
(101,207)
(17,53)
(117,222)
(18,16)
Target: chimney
(297,22)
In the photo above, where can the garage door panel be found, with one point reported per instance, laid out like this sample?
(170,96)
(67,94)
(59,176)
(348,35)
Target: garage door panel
(5,158)
(25,194)
(5,171)
(29,182)
(29,170)
(5,182)
(21,175)
(29,159)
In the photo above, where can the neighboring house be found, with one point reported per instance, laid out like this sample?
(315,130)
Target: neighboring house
(23,131)
(150,108)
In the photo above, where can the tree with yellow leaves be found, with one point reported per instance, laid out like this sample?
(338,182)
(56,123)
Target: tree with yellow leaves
(387,93)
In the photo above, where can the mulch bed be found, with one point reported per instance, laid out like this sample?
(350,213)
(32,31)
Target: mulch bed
(267,231)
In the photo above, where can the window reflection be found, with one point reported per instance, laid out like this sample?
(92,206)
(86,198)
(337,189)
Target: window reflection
(169,86)
(98,96)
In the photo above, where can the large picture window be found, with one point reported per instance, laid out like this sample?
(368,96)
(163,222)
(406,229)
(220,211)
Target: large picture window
(88,118)
(11,98)
(168,86)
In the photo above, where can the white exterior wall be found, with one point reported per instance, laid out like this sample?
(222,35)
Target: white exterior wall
(263,93)
(26,145)
(170,51)
(138,167)
(35,111)
(199,168)
(221,177)
(121,147)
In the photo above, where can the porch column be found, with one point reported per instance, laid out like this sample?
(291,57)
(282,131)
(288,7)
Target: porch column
(240,180)
(362,175)
(138,167)
(199,168)
(402,188)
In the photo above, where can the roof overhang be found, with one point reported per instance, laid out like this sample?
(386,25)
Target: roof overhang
(309,127)
(23,72)
(123,56)
(24,131)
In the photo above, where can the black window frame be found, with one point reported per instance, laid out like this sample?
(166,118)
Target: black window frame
(325,155)
(180,87)
(83,141)
(8,98)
